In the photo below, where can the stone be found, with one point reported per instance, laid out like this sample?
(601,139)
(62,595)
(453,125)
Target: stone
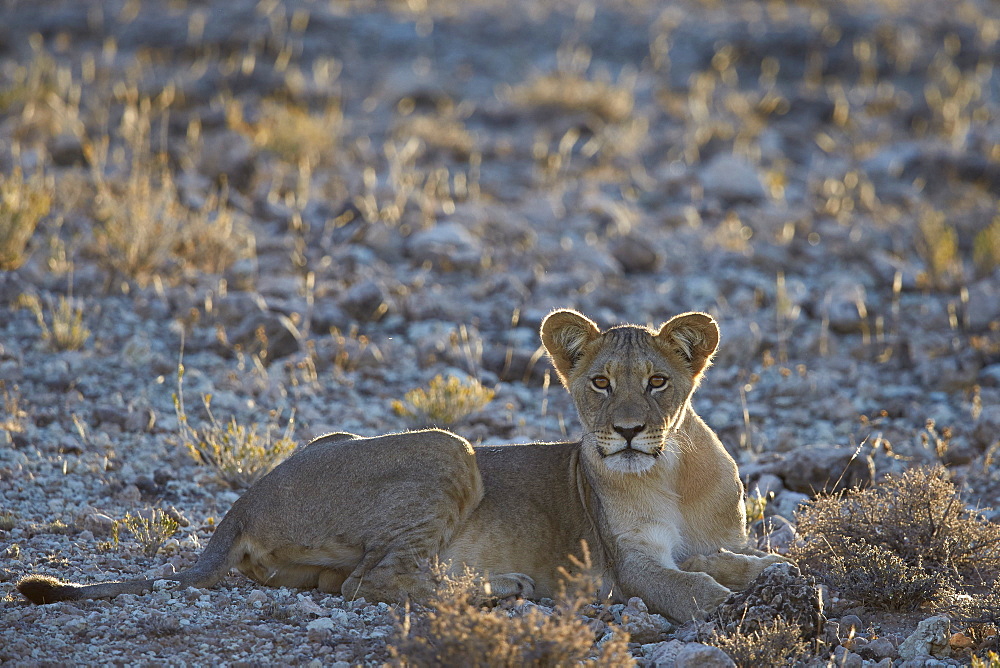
(364,301)
(229,156)
(256,596)
(697,655)
(635,618)
(66,150)
(732,179)
(774,533)
(266,334)
(878,649)
(929,640)
(448,246)
(852,622)
(812,468)
(635,254)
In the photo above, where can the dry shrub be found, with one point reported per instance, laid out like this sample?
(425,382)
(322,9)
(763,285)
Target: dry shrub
(145,230)
(149,529)
(292,132)
(906,543)
(23,203)
(443,401)
(569,91)
(778,644)
(239,454)
(458,630)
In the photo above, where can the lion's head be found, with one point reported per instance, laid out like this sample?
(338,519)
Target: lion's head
(631,384)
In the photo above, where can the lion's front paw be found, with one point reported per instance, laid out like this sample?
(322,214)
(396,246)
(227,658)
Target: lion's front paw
(511,584)
(705,596)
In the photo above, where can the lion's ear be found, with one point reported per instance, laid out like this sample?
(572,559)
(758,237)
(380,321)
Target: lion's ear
(565,333)
(694,336)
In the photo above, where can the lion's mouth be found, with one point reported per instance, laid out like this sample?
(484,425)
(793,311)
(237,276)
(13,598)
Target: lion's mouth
(629,452)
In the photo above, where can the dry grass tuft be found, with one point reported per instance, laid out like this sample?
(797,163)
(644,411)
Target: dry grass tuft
(459,631)
(572,92)
(61,324)
(144,229)
(23,203)
(775,645)
(291,132)
(238,454)
(150,530)
(443,401)
(907,543)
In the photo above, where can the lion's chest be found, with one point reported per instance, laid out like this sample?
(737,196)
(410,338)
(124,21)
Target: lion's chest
(655,528)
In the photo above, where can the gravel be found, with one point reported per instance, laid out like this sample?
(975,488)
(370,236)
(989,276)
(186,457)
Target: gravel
(767,173)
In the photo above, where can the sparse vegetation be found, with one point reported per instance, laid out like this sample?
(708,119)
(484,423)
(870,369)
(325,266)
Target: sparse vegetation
(61,323)
(991,660)
(443,402)
(150,529)
(23,204)
(7,521)
(776,645)
(905,543)
(458,630)
(293,133)
(145,229)
(238,454)
(13,414)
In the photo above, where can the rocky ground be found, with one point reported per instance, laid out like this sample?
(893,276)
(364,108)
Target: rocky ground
(324,205)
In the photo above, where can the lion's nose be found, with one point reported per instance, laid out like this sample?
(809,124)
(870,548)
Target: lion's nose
(628,433)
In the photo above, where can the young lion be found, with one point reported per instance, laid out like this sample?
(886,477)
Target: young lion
(649,487)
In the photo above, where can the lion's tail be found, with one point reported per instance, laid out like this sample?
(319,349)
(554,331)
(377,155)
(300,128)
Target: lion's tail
(215,562)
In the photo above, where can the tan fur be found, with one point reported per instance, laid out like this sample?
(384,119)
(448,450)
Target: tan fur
(649,488)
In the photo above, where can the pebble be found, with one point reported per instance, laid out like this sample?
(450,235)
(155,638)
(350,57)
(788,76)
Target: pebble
(429,262)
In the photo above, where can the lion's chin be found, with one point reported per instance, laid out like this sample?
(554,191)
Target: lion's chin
(630,460)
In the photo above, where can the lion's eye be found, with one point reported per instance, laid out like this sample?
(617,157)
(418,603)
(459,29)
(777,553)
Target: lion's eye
(600,382)
(656,382)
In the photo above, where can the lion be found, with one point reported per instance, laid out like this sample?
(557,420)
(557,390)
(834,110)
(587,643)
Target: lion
(649,489)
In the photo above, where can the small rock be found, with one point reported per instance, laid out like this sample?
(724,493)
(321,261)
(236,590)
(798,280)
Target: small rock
(662,654)
(163,571)
(635,254)
(812,468)
(697,655)
(780,591)
(229,156)
(66,150)
(878,649)
(850,623)
(268,334)
(257,596)
(308,606)
(844,658)
(642,626)
(448,246)
(930,639)
(843,306)
(364,301)
(319,629)
(774,533)
(787,503)
(732,179)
